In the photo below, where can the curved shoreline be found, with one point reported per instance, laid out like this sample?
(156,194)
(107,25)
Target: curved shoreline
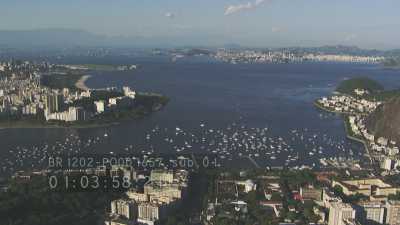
(130,115)
(361,140)
(347,129)
(319,106)
(81,83)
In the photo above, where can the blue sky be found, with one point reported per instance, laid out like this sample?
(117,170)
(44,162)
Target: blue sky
(266,23)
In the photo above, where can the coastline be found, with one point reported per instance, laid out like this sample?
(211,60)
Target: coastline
(157,101)
(81,83)
(349,134)
(319,106)
(5,126)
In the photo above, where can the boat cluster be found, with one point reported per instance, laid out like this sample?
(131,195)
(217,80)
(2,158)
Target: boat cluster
(294,148)
(297,147)
(34,157)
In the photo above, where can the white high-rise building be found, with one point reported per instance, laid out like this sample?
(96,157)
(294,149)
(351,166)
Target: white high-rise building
(73,114)
(128,92)
(393,213)
(99,106)
(124,208)
(373,212)
(339,212)
(150,213)
(163,176)
(387,164)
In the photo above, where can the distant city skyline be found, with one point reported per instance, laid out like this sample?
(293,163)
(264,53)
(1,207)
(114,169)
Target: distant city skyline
(252,23)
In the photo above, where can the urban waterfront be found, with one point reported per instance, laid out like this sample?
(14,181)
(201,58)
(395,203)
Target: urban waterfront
(264,111)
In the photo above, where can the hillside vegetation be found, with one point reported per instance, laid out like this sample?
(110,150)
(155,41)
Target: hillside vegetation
(392,63)
(348,86)
(385,121)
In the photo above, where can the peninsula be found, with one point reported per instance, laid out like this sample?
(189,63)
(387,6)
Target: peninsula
(102,67)
(363,103)
(45,96)
(392,63)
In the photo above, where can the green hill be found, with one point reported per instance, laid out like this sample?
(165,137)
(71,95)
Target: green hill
(385,121)
(348,86)
(392,63)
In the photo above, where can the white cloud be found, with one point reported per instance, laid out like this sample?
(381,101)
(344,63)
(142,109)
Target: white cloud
(240,7)
(170,15)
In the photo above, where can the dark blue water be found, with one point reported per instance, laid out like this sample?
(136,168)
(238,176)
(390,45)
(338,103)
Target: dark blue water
(225,98)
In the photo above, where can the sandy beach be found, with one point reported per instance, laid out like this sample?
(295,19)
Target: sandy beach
(81,82)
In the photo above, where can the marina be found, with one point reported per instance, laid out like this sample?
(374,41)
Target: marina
(272,124)
(234,142)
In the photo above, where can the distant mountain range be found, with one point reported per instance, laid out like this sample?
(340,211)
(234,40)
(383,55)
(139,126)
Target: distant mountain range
(64,38)
(50,37)
(73,38)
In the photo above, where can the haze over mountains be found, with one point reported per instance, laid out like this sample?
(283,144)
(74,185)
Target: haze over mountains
(72,37)
(61,38)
